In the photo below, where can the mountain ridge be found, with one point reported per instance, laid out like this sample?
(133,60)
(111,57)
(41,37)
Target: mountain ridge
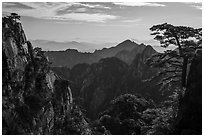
(100,82)
(126,51)
(49,45)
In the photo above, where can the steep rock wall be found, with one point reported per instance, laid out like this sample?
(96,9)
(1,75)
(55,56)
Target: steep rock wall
(33,97)
(189,119)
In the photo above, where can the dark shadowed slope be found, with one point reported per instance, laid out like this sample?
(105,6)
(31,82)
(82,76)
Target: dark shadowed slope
(101,82)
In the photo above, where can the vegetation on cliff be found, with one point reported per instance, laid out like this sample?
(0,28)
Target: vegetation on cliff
(34,99)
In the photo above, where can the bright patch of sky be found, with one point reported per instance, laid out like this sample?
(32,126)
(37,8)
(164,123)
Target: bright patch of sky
(100,22)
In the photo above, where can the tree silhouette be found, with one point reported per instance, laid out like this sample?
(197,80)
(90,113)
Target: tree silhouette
(15,16)
(175,63)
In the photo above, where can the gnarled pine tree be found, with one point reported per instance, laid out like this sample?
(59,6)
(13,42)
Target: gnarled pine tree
(174,63)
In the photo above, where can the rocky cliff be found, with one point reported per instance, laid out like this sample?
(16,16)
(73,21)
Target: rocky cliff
(34,99)
(189,119)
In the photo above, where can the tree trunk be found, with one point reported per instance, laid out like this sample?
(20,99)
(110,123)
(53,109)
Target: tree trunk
(184,71)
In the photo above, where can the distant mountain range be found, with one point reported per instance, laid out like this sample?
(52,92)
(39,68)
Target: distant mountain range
(126,51)
(48,45)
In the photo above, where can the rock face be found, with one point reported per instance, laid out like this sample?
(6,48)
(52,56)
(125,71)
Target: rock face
(33,97)
(189,120)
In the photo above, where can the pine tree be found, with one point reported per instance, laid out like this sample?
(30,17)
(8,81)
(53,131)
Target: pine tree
(174,63)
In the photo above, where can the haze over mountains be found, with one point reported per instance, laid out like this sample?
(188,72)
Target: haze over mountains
(126,51)
(49,45)
(86,46)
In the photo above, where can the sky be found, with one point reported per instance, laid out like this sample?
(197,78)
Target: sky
(101,22)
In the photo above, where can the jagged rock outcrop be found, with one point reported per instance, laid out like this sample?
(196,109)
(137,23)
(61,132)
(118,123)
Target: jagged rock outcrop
(189,119)
(33,97)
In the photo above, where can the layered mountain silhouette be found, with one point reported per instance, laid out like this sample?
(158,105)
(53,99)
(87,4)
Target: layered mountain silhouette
(81,46)
(121,70)
(126,51)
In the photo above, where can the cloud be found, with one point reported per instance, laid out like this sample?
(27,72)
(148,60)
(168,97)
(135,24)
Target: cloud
(132,20)
(49,11)
(81,10)
(84,17)
(116,25)
(15,5)
(93,5)
(197,7)
(139,4)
